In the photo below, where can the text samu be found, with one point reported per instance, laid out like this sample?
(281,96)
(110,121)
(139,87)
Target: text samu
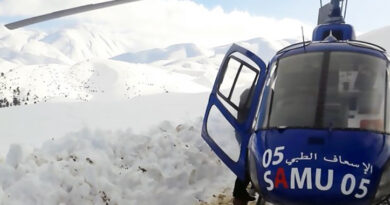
(309,178)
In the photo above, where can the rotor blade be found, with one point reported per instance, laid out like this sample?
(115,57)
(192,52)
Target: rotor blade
(65,12)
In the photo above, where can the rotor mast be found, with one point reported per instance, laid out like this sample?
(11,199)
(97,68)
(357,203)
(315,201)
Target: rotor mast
(331,13)
(331,23)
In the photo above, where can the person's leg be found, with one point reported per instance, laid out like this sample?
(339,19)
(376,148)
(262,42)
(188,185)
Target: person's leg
(240,194)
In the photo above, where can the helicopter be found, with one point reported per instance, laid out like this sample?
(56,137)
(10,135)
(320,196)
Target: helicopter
(311,126)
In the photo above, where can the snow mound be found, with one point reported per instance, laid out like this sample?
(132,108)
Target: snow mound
(174,52)
(169,165)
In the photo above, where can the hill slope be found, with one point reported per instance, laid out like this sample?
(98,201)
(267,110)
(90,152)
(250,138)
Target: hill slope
(379,36)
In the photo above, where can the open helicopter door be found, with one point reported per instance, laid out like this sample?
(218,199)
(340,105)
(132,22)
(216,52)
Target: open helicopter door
(232,107)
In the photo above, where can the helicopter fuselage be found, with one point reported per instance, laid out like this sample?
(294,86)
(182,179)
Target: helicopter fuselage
(313,126)
(322,136)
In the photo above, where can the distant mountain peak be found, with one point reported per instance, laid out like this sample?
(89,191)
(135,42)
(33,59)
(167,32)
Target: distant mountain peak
(379,36)
(173,52)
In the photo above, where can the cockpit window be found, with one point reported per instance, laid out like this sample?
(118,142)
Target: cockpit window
(328,90)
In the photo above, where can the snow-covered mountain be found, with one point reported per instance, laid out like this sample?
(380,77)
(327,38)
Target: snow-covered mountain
(174,52)
(260,46)
(85,42)
(67,46)
(72,65)
(264,48)
(26,48)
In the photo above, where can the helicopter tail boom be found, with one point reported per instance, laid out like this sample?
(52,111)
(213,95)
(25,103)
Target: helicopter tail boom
(66,12)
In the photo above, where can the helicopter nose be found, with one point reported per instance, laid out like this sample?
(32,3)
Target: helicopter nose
(307,166)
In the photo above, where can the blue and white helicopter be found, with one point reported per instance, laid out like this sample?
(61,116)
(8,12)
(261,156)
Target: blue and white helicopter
(312,126)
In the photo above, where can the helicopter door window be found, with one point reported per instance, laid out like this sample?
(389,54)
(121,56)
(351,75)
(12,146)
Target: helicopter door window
(237,86)
(232,69)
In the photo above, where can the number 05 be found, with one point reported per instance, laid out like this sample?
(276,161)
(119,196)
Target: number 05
(363,187)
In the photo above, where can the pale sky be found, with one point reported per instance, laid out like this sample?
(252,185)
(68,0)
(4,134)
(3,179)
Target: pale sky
(206,22)
(365,15)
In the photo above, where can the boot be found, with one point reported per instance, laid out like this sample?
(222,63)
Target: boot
(237,201)
(243,199)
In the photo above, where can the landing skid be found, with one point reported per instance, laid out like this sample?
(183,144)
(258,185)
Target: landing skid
(385,201)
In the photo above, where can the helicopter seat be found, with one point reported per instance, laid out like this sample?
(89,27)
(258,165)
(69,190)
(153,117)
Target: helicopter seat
(369,102)
(369,110)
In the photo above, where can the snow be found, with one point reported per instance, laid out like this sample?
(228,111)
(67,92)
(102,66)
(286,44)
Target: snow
(35,124)
(101,120)
(83,42)
(101,131)
(168,165)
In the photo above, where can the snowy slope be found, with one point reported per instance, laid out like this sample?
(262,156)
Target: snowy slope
(98,80)
(35,124)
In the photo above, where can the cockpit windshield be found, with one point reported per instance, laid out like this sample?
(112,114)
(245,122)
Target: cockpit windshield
(328,90)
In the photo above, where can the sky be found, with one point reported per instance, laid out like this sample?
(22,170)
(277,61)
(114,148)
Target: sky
(159,23)
(365,15)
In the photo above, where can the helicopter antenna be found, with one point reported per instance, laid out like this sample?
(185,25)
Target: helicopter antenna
(65,12)
(303,39)
(346,8)
(320,3)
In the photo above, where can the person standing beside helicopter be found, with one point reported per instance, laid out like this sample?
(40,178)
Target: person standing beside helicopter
(240,193)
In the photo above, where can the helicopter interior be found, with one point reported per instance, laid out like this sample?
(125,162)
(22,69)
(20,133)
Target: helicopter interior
(240,77)
(329,90)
